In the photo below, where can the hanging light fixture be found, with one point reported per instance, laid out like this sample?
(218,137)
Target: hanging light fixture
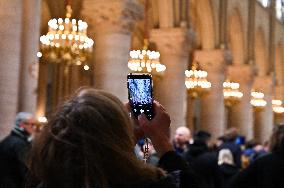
(66,40)
(145,60)
(277,106)
(257,100)
(231,93)
(196,82)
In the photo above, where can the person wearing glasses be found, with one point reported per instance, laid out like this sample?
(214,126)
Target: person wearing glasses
(13,151)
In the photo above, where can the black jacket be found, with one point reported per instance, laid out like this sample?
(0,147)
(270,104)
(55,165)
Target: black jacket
(13,150)
(204,164)
(265,172)
(227,172)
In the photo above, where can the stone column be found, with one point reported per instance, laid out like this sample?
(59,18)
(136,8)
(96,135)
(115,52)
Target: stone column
(166,13)
(29,61)
(279,94)
(212,117)
(42,89)
(263,120)
(241,114)
(171,91)
(10,46)
(112,23)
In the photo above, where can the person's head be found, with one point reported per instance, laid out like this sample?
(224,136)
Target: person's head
(277,140)
(251,144)
(88,143)
(231,134)
(182,136)
(220,141)
(202,136)
(225,157)
(25,121)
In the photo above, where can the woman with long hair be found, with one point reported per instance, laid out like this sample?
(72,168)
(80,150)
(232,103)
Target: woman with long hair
(89,143)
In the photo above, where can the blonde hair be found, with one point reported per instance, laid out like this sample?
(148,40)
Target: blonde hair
(225,157)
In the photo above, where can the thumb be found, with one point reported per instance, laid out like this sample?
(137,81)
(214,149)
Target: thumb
(143,121)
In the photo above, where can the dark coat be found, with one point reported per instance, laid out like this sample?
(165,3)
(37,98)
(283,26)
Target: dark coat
(204,164)
(235,149)
(265,172)
(227,172)
(13,150)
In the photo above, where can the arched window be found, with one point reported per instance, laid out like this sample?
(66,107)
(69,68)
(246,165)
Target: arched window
(279,6)
(264,3)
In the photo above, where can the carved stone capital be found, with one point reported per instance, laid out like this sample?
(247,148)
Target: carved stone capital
(241,73)
(210,60)
(279,92)
(264,84)
(106,16)
(171,40)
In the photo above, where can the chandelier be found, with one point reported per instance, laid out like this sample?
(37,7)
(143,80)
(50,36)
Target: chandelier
(196,82)
(257,100)
(231,92)
(145,60)
(277,106)
(66,41)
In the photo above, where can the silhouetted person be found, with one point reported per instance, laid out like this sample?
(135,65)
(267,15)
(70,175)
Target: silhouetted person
(230,143)
(13,152)
(266,171)
(203,162)
(227,167)
(89,143)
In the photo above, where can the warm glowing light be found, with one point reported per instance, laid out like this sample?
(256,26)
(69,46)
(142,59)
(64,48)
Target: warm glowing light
(277,106)
(66,40)
(145,61)
(257,100)
(39,54)
(276,102)
(86,67)
(196,82)
(231,92)
(42,119)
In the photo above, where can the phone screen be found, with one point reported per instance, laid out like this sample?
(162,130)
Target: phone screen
(140,94)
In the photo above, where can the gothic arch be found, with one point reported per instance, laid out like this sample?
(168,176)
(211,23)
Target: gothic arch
(278,66)
(205,14)
(152,22)
(261,52)
(236,37)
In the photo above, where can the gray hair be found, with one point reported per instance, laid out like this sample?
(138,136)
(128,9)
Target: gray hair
(22,116)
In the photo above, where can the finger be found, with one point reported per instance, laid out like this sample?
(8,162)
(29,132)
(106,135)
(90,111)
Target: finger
(143,122)
(157,109)
(159,105)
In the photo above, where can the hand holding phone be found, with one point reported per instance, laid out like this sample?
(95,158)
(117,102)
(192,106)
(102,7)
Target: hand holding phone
(140,94)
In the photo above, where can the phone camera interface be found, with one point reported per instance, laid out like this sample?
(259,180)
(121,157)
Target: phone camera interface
(140,96)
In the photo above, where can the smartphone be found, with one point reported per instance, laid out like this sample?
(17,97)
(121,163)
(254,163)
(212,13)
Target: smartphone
(140,94)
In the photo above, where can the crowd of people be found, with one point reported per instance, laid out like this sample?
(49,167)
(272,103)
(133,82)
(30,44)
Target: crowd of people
(93,142)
